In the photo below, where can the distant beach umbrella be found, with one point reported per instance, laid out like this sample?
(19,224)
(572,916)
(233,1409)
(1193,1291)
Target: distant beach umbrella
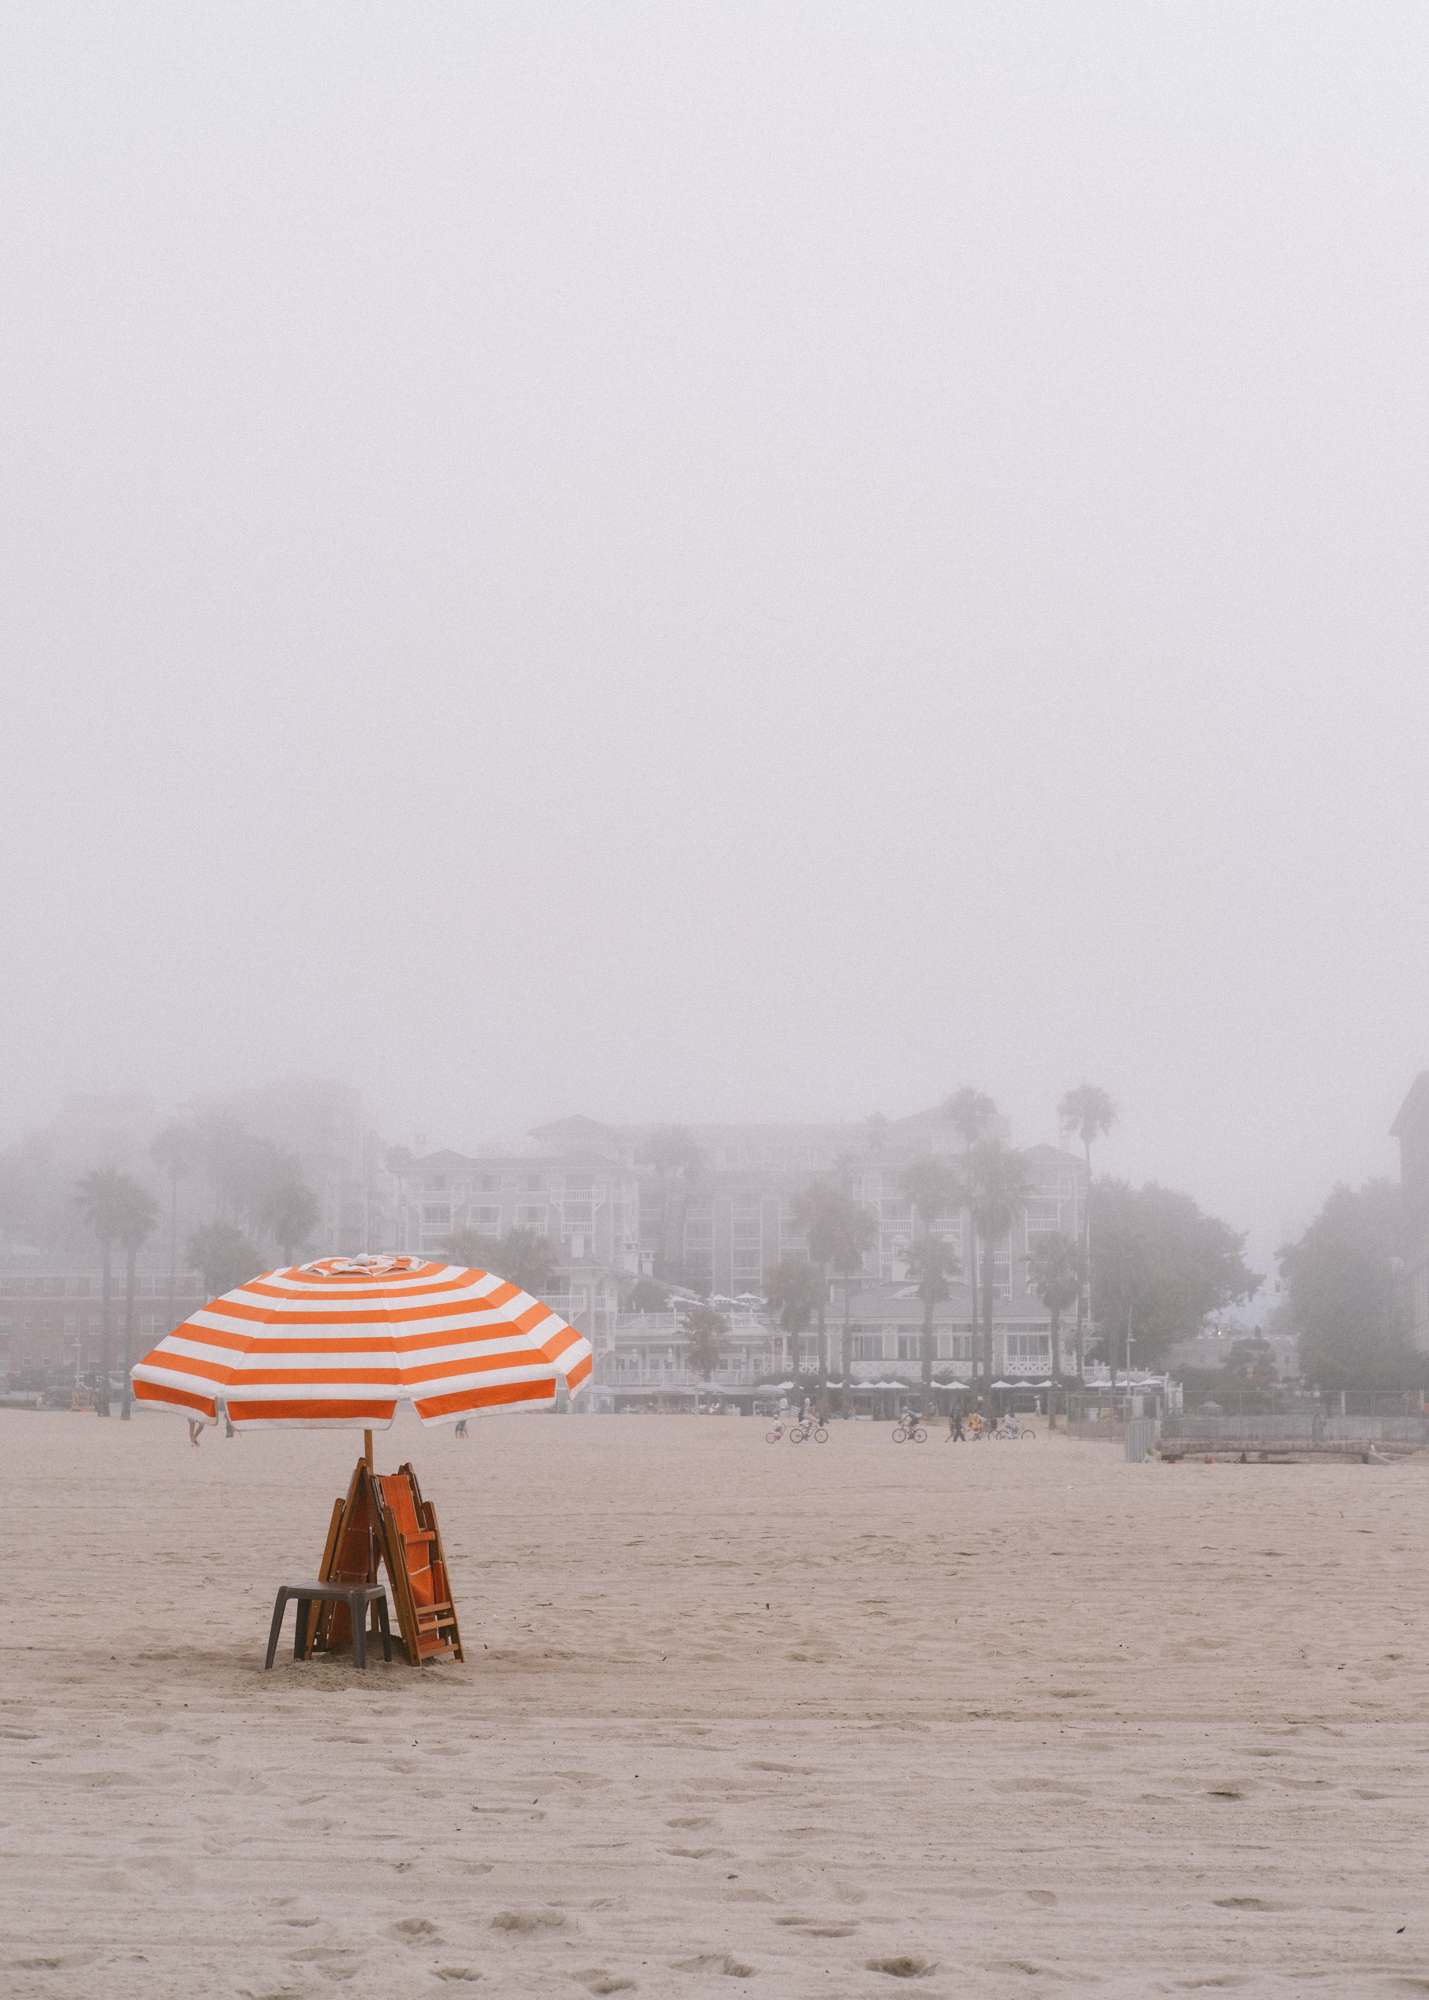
(343,1342)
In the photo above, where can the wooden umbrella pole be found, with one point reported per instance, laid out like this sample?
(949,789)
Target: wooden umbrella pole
(367,1448)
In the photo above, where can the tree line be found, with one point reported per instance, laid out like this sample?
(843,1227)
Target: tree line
(1144,1270)
(258,1189)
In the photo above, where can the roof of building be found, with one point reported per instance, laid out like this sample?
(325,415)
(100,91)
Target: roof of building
(577,1161)
(1414,1107)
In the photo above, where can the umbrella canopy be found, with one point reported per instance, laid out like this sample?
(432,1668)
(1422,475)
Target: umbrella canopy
(341,1342)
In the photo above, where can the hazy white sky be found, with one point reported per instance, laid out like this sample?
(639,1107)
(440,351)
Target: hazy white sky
(724,560)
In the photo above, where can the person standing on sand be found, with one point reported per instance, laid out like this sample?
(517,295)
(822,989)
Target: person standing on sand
(955,1427)
(460,1427)
(195,1432)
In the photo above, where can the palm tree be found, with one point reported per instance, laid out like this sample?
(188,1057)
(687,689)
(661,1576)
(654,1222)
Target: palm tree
(138,1219)
(855,1231)
(837,1230)
(999,1189)
(705,1330)
(102,1198)
(792,1289)
(1054,1271)
(933,1186)
(176,1150)
(523,1255)
(674,1154)
(290,1211)
(1086,1112)
(932,1260)
(970,1112)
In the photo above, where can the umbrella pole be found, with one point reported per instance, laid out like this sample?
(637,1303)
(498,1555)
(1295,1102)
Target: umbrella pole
(367,1448)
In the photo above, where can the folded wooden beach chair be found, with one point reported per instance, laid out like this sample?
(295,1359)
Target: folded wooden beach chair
(412,1550)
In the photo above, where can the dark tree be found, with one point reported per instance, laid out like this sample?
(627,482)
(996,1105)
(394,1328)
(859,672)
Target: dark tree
(1160,1267)
(792,1289)
(1345,1295)
(934,1186)
(222,1255)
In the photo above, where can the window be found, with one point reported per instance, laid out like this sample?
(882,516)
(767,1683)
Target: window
(533,1183)
(868,1347)
(435,1216)
(487,1221)
(909,1347)
(437,1184)
(1028,1347)
(529,1216)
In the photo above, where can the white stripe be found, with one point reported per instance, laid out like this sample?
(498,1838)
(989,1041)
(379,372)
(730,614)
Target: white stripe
(344,1302)
(355,1392)
(340,1357)
(376,1287)
(471,1329)
(475,1317)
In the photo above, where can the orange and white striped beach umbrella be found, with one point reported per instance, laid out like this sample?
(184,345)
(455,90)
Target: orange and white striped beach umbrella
(340,1343)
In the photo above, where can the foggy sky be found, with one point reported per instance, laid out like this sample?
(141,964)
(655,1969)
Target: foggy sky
(697,561)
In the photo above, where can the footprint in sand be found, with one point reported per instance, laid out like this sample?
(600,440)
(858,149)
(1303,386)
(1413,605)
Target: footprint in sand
(528,1920)
(818,1926)
(903,1965)
(455,1972)
(714,1961)
(600,1981)
(415,1930)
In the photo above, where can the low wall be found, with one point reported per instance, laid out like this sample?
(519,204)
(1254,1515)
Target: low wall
(1297,1427)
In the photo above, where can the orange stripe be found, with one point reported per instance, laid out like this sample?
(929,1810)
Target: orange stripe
(485,1399)
(228,1308)
(188,1364)
(534,1314)
(299,1378)
(276,1378)
(476,1364)
(410,1280)
(398,1343)
(360,1413)
(149,1392)
(578,1374)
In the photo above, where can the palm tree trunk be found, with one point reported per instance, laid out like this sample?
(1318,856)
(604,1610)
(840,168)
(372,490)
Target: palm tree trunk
(987,1305)
(173,1247)
(928,1341)
(972,1288)
(823,1325)
(847,1342)
(106,1325)
(131,1253)
(1083,1327)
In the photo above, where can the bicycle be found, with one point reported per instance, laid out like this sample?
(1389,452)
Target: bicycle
(1009,1432)
(909,1434)
(801,1432)
(773,1437)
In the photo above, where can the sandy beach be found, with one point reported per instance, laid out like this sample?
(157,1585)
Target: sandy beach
(980,1720)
